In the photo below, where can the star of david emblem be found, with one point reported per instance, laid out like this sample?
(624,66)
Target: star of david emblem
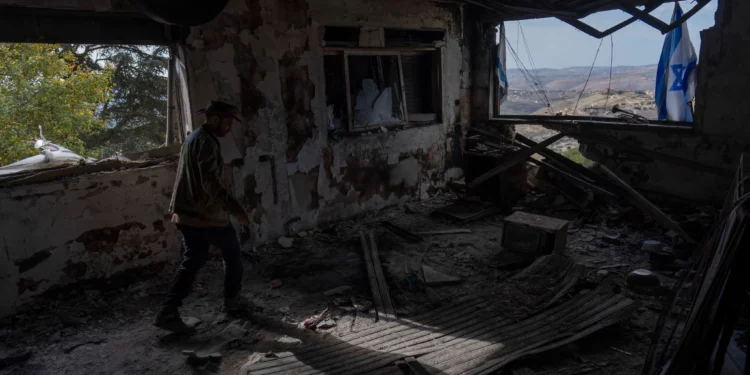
(679,79)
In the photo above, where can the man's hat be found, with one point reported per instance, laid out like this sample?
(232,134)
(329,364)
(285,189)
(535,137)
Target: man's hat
(215,106)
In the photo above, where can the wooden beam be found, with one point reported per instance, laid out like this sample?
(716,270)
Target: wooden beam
(514,159)
(646,206)
(656,23)
(385,295)
(371,275)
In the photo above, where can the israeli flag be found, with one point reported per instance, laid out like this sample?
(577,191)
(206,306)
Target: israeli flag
(502,79)
(676,76)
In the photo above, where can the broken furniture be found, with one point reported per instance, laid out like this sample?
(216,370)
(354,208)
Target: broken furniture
(534,235)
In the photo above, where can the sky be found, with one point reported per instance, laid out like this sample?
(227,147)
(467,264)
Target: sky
(554,44)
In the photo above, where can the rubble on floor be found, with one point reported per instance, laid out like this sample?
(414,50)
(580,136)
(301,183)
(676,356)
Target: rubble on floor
(453,295)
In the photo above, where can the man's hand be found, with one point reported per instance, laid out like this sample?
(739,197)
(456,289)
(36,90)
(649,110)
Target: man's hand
(242,218)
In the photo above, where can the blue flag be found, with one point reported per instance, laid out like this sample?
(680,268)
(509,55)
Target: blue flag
(502,79)
(676,76)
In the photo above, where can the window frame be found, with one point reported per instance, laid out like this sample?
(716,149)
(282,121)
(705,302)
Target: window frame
(345,52)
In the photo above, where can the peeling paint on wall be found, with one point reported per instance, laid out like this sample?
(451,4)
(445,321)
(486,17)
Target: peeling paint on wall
(266,56)
(53,236)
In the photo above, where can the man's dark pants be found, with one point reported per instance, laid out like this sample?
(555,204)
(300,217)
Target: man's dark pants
(196,242)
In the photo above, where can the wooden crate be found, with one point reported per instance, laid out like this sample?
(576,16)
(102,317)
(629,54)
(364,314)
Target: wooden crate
(534,235)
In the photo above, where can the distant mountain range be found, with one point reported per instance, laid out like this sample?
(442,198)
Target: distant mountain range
(626,78)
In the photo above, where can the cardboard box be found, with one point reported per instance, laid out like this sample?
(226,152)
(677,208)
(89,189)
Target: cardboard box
(534,235)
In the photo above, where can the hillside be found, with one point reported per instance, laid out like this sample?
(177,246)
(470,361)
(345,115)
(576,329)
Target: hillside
(627,78)
(632,90)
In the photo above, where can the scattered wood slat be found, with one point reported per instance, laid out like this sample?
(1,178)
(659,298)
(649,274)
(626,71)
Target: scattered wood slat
(385,296)
(646,206)
(514,159)
(374,285)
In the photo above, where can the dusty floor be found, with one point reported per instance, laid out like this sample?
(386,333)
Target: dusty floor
(106,329)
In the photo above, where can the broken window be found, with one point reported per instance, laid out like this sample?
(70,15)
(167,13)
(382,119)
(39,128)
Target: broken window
(96,101)
(379,78)
(376,90)
(368,89)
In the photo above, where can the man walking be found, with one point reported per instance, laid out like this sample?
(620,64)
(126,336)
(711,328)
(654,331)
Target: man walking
(200,208)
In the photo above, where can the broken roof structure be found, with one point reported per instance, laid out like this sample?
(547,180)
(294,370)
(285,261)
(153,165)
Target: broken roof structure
(366,112)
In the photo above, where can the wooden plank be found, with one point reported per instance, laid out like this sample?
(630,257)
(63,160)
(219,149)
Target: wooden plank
(371,275)
(646,206)
(514,159)
(385,295)
(404,109)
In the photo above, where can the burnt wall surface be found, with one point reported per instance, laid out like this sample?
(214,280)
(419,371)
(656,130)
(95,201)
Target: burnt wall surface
(721,113)
(85,228)
(266,56)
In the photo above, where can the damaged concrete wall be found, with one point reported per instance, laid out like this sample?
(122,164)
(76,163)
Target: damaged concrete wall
(85,228)
(721,113)
(266,56)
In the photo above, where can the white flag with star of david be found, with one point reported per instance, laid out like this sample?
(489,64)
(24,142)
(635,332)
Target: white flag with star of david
(676,75)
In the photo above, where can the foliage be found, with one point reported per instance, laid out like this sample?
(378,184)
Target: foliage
(575,155)
(136,112)
(43,86)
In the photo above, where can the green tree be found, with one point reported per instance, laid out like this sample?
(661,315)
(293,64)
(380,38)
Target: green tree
(136,112)
(43,86)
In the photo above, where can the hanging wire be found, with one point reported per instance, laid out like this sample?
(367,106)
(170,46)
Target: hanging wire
(518,32)
(524,71)
(531,76)
(528,77)
(611,59)
(589,77)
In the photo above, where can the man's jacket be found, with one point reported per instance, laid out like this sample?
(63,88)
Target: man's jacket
(200,198)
